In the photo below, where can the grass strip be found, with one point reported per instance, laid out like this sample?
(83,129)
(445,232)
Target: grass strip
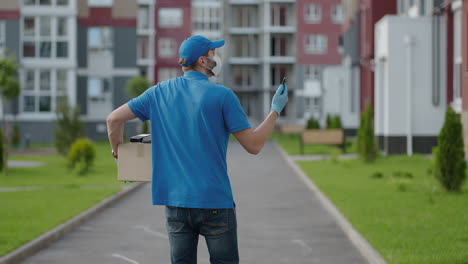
(398,207)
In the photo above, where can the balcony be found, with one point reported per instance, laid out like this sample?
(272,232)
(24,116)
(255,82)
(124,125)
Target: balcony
(280,60)
(287,29)
(244,2)
(244,30)
(244,61)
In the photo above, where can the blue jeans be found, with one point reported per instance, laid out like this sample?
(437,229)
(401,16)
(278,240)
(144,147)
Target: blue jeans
(218,226)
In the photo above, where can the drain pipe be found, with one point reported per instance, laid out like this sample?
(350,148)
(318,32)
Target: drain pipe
(408,40)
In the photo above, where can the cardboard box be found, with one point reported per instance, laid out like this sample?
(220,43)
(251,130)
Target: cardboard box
(134,162)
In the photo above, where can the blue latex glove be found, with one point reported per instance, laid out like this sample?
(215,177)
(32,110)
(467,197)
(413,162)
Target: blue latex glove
(280,99)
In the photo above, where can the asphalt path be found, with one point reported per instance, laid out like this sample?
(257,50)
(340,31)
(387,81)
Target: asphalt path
(280,220)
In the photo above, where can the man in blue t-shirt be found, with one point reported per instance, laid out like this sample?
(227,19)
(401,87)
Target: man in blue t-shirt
(191,121)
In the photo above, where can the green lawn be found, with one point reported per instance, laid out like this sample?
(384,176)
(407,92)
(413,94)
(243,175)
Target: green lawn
(408,220)
(291,144)
(27,214)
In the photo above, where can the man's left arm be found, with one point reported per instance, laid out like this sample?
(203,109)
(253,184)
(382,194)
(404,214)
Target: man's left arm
(115,126)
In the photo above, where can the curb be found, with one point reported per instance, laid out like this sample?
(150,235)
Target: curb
(363,246)
(58,232)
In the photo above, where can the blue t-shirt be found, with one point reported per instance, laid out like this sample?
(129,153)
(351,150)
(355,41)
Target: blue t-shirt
(191,120)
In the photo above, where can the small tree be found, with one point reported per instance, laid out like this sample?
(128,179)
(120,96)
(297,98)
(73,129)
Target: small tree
(82,154)
(329,122)
(15,137)
(313,124)
(449,155)
(336,122)
(9,90)
(135,87)
(68,127)
(366,142)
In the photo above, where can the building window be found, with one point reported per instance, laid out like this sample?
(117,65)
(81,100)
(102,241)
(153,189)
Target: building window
(45,2)
(100,3)
(167,47)
(245,46)
(62,2)
(143,17)
(244,76)
(2,38)
(165,74)
(100,38)
(312,73)
(316,44)
(40,93)
(143,47)
(244,16)
(280,45)
(279,14)
(45,37)
(170,17)
(206,18)
(312,14)
(337,14)
(98,90)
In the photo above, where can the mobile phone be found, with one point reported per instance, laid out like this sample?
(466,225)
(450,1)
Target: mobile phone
(282,83)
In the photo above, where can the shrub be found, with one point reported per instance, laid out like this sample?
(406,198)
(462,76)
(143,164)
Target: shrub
(336,122)
(82,154)
(402,174)
(377,175)
(15,138)
(367,148)
(449,155)
(68,127)
(313,124)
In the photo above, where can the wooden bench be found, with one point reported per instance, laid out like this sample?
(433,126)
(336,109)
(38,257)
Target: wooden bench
(323,136)
(291,129)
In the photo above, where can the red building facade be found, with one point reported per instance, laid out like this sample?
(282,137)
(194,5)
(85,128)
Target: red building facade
(327,23)
(173,24)
(371,11)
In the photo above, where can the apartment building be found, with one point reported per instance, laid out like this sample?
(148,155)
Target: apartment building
(322,88)
(173,24)
(410,77)
(67,51)
(457,61)
(146,34)
(260,51)
(370,12)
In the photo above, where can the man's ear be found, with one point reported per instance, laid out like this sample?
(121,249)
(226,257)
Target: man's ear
(201,60)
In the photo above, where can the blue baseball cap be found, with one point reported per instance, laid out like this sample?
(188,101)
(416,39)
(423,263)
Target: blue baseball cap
(194,47)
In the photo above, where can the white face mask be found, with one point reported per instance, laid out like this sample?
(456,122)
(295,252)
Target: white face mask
(217,68)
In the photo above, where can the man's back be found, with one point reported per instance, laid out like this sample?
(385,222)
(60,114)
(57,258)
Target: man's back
(191,120)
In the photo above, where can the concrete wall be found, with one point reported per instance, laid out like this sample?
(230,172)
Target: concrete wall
(120,96)
(10,4)
(82,93)
(125,47)
(82,46)
(338,97)
(124,9)
(12,40)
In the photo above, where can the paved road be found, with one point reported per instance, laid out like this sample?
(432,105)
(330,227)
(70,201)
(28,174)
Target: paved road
(280,221)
